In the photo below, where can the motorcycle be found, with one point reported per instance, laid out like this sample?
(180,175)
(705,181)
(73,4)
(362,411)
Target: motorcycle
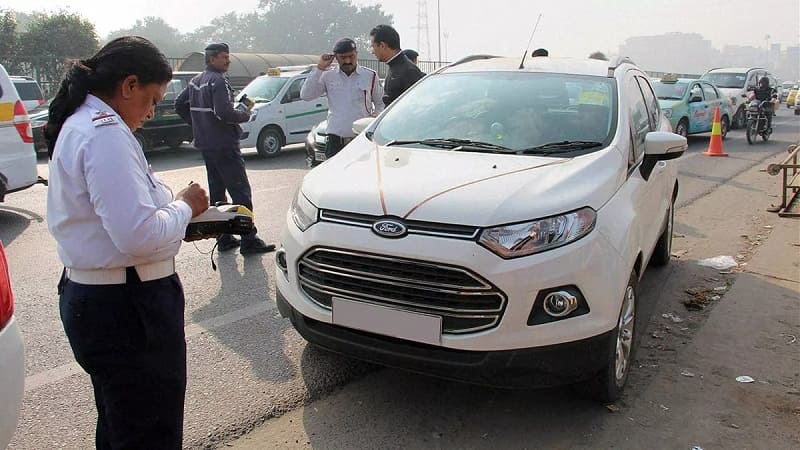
(756,123)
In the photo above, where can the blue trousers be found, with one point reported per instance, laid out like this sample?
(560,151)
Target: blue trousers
(226,172)
(130,339)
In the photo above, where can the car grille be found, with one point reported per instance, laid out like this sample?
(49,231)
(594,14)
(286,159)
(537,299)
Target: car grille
(414,226)
(465,302)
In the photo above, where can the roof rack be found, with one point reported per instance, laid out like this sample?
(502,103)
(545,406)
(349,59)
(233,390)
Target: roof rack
(301,68)
(21,77)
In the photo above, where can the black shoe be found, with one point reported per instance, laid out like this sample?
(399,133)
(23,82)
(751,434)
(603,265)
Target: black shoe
(252,246)
(227,242)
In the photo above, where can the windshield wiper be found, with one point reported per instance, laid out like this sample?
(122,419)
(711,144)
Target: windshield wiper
(454,144)
(559,147)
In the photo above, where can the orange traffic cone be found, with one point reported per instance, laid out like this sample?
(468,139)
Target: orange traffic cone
(715,146)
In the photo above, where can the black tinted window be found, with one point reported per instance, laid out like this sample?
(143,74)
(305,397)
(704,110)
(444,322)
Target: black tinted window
(28,90)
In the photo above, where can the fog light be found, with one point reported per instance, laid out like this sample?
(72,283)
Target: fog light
(560,303)
(280,260)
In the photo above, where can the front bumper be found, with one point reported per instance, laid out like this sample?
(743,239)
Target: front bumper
(590,264)
(521,368)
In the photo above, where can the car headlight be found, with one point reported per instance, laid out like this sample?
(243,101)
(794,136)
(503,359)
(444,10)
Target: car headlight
(668,113)
(304,213)
(320,139)
(522,239)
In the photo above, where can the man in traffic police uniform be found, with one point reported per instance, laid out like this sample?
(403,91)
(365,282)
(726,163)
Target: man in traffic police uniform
(207,103)
(402,73)
(353,91)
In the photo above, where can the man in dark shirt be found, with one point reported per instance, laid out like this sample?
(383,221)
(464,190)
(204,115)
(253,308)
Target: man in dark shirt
(207,104)
(765,92)
(402,73)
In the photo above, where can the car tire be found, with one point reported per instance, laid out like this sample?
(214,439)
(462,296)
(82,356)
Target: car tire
(143,142)
(269,142)
(682,128)
(607,386)
(726,126)
(663,250)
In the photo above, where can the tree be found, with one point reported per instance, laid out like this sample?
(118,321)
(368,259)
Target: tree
(168,39)
(598,55)
(239,31)
(52,39)
(312,26)
(8,40)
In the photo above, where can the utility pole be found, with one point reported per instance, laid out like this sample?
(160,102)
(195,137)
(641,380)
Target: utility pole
(439,28)
(423,34)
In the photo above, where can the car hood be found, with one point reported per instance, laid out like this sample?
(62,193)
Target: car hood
(479,189)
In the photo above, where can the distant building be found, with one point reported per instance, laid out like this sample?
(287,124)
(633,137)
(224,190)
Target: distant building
(671,52)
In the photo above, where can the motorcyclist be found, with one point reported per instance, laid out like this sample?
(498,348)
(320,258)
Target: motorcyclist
(765,92)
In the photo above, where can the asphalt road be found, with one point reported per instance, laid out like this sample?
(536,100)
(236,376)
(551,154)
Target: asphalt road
(246,364)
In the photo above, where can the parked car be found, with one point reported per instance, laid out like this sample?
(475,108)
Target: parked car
(690,104)
(167,127)
(316,142)
(735,82)
(280,116)
(786,86)
(29,91)
(490,226)
(17,156)
(38,117)
(791,98)
(12,358)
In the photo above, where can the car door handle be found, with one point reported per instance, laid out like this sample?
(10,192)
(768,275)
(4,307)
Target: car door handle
(319,105)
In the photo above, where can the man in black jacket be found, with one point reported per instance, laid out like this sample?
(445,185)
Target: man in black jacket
(402,73)
(207,104)
(765,92)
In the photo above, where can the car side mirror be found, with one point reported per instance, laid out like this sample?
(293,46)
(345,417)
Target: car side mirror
(661,146)
(361,124)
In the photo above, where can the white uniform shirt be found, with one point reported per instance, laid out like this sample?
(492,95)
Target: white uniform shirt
(349,97)
(105,207)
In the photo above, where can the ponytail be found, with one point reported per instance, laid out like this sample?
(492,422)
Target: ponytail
(71,94)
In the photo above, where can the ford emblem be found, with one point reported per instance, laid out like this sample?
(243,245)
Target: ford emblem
(389,228)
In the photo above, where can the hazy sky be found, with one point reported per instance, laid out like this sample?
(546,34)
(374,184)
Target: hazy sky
(568,27)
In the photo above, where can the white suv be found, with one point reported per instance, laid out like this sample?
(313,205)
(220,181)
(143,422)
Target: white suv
(12,358)
(17,155)
(29,91)
(490,226)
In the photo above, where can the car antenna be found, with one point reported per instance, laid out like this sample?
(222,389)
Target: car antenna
(522,63)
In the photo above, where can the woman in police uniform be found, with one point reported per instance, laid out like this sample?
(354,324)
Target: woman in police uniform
(118,230)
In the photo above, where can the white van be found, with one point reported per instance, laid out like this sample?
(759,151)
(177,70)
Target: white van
(735,82)
(280,116)
(17,155)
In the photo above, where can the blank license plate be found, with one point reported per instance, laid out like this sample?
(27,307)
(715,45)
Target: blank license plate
(387,321)
(319,156)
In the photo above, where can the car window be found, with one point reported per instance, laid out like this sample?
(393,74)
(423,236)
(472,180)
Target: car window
(709,92)
(28,90)
(264,89)
(726,79)
(670,91)
(640,122)
(293,93)
(695,91)
(516,110)
(651,102)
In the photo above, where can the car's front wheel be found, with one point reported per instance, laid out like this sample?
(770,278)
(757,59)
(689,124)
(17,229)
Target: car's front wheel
(726,126)
(608,385)
(740,118)
(269,142)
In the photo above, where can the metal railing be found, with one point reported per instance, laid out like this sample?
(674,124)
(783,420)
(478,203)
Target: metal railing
(790,187)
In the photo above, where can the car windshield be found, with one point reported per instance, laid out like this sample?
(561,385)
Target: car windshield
(726,80)
(503,112)
(264,89)
(670,91)
(787,85)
